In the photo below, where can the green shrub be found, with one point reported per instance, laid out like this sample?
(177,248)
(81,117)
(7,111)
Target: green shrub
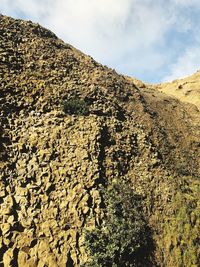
(75,106)
(120,239)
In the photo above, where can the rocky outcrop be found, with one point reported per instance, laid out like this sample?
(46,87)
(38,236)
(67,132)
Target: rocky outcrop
(52,164)
(187,89)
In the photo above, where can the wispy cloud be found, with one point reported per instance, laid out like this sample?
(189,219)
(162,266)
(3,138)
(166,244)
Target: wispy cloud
(150,39)
(186,64)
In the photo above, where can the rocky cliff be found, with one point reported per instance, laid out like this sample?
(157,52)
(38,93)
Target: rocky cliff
(53,164)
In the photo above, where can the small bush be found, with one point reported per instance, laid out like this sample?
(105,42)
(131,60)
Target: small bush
(75,106)
(118,241)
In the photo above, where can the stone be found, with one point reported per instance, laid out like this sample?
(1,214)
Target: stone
(22,258)
(53,165)
(5,228)
(8,257)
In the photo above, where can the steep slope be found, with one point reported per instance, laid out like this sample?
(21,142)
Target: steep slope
(53,164)
(187,89)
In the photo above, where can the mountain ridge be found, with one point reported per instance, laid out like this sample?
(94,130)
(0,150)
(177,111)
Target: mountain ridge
(53,164)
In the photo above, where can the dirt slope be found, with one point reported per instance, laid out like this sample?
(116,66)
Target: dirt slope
(53,164)
(187,89)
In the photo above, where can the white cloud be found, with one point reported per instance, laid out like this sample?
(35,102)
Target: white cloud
(132,36)
(31,8)
(187,3)
(186,64)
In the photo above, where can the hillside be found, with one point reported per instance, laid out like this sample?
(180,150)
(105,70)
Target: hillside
(54,164)
(187,89)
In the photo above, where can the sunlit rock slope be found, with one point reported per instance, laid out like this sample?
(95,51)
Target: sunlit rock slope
(53,163)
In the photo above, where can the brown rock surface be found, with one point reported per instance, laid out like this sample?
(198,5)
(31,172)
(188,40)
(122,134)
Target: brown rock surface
(187,89)
(53,164)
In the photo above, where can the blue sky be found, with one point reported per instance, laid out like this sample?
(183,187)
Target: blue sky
(152,40)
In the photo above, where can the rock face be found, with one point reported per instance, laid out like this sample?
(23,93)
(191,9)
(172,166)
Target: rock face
(187,89)
(52,164)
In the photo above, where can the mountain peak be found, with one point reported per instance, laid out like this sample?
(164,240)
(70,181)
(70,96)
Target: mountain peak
(72,129)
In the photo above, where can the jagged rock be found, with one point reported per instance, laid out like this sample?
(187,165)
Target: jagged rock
(53,165)
(8,257)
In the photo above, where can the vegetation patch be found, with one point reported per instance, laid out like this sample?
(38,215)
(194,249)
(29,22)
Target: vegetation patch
(122,238)
(75,106)
(182,228)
